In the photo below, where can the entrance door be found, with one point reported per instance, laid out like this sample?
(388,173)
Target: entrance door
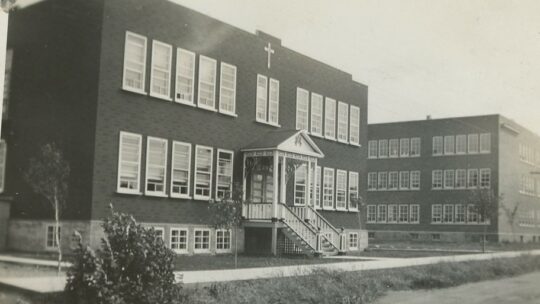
(262,187)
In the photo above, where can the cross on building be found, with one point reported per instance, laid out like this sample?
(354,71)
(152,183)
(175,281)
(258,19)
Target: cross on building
(270,51)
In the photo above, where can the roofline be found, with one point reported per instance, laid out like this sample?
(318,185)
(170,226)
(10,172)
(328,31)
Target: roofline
(435,119)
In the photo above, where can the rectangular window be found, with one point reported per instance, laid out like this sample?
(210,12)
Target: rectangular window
(473,143)
(129,163)
(372,181)
(202,240)
(449,179)
(461,144)
(392,213)
(354,131)
(207,83)
(383,180)
(449,144)
(160,75)
(393,180)
(404,181)
(160,233)
(404,147)
(273,105)
(318,187)
(353,191)
(227,89)
(415,214)
(7,82)
(460,214)
(437,145)
(302,112)
(203,172)
(372,149)
(415,180)
(223,240)
(381,215)
(448,214)
(328,188)
(353,240)
(330,118)
(343,122)
(403,214)
(51,236)
(485,143)
(436,179)
(185,76)
(436,214)
(393,148)
(300,185)
(180,169)
(472,215)
(3,152)
(316,114)
(485,178)
(461,178)
(371,214)
(224,183)
(262,97)
(341,189)
(134,63)
(156,166)
(179,240)
(383,148)
(415,147)
(472,178)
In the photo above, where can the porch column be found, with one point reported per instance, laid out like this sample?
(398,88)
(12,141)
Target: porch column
(275,195)
(283,177)
(244,182)
(308,185)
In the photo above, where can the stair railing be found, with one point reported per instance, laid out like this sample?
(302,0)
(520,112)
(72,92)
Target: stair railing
(300,227)
(318,221)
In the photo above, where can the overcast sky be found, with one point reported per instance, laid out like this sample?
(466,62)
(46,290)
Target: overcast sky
(419,57)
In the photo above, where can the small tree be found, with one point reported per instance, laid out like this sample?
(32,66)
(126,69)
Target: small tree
(48,175)
(485,203)
(133,266)
(227,214)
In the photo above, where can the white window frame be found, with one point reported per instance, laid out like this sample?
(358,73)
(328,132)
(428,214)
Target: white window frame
(404,147)
(415,141)
(393,180)
(316,126)
(219,151)
(354,188)
(414,217)
(448,210)
(461,176)
(458,214)
(261,99)
(481,173)
(201,250)
(353,240)
(437,175)
(341,190)
(383,153)
(222,88)
(371,216)
(180,53)
(485,139)
(343,122)
(318,176)
(469,171)
(472,143)
(392,217)
(143,76)
(373,149)
(449,179)
(413,173)
(449,145)
(382,213)
(172,193)
(403,214)
(384,186)
(372,186)
(354,125)
(179,250)
(297,186)
(436,218)
(302,109)
(163,166)
(329,118)
(438,145)
(461,144)
(393,148)
(226,250)
(200,104)
(54,232)
(328,172)
(195,195)
(404,180)
(3,156)
(271,102)
(120,161)
(168,71)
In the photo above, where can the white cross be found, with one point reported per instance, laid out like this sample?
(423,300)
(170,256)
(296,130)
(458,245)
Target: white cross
(270,51)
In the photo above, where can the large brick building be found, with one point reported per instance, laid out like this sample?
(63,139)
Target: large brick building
(423,178)
(159,109)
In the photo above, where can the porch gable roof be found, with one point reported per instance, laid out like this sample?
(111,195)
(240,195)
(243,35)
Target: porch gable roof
(294,141)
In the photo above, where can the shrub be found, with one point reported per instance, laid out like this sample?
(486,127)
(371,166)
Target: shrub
(133,266)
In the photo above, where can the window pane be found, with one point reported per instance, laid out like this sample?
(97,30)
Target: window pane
(207,82)
(161,69)
(156,164)
(227,94)
(181,163)
(328,188)
(185,73)
(343,122)
(134,62)
(203,172)
(225,174)
(130,158)
(274,102)
(354,132)
(330,118)
(262,97)
(316,113)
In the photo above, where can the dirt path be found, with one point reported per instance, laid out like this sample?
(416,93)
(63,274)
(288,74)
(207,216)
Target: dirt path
(523,289)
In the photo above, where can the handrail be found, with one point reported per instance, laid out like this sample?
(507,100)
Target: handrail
(327,227)
(300,227)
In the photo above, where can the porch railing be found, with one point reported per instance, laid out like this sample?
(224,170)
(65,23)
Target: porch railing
(318,221)
(257,211)
(300,227)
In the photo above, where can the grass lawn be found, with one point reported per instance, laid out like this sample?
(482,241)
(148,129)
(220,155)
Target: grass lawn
(450,246)
(210,262)
(396,253)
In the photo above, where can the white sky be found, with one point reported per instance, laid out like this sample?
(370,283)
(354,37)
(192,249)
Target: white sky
(418,57)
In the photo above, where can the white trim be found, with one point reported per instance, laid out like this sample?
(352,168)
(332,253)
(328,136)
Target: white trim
(214,84)
(230,241)
(329,103)
(352,127)
(124,86)
(195,195)
(179,251)
(169,71)
(302,92)
(221,110)
(217,170)
(346,198)
(269,101)
(173,157)
(204,250)
(166,148)
(305,185)
(320,98)
(257,102)
(357,241)
(332,187)
(118,179)
(352,173)
(3,149)
(180,53)
(417,206)
(342,106)
(55,231)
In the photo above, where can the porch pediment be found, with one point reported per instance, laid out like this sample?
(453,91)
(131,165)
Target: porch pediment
(293,141)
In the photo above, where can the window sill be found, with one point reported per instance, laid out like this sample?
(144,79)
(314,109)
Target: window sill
(343,141)
(201,198)
(328,209)
(162,97)
(316,135)
(355,144)
(180,251)
(136,192)
(155,194)
(228,113)
(353,210)
(223,251)
(341,209)
(185,102)
(268,123)
(330,137)
(180,196)
(207,108)
(128,89)
(201,251)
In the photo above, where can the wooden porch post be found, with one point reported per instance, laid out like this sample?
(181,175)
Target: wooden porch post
(275,202)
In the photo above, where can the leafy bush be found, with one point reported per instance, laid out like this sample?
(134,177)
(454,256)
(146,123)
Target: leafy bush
(133,266)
